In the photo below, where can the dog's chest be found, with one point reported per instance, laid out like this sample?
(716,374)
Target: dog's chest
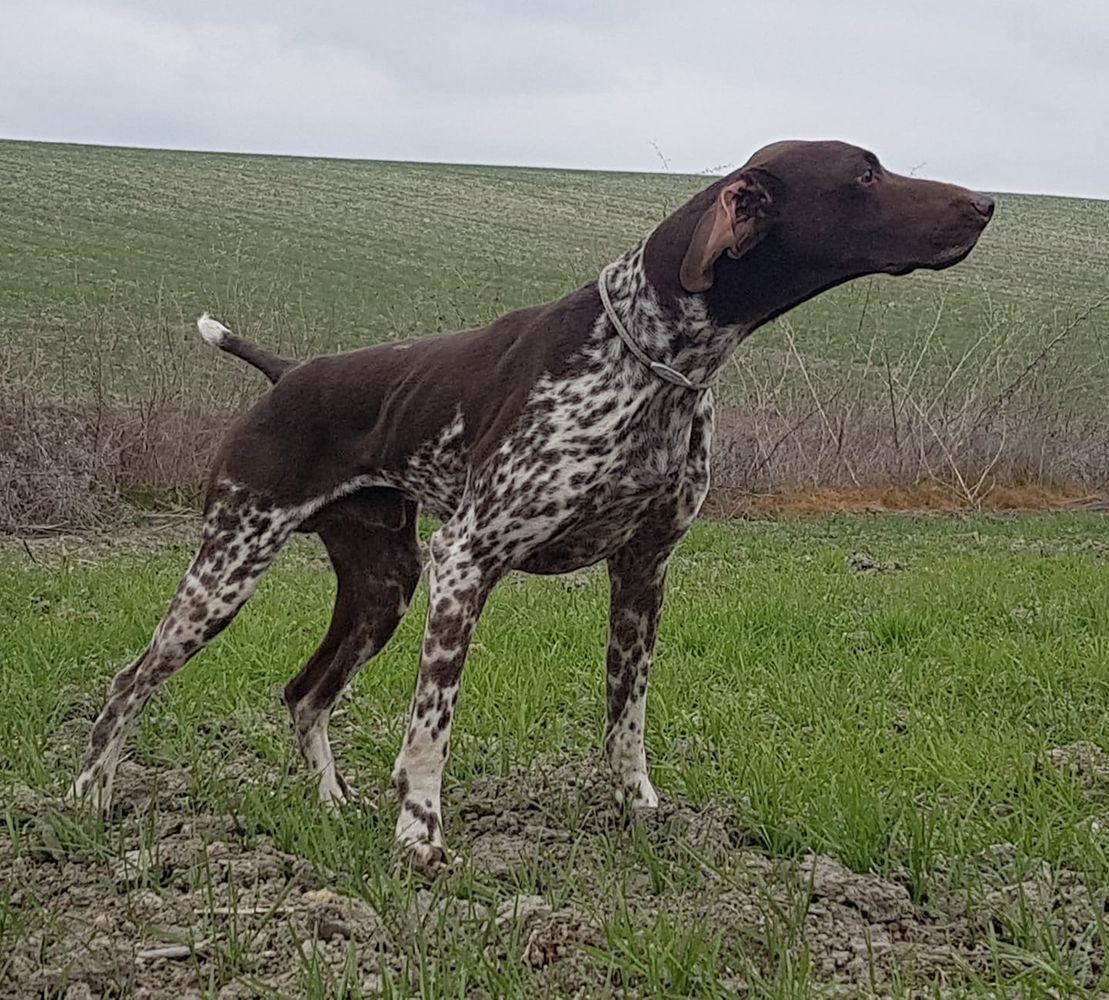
(579,475)
(603,447)
(640,463)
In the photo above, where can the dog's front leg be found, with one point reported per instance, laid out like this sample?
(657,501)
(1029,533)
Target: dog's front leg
(638,581)
(458,585)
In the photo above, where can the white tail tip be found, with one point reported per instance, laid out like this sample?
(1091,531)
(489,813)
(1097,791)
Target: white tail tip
(212,330)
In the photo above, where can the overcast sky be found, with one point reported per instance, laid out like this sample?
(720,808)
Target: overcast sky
(1003,96)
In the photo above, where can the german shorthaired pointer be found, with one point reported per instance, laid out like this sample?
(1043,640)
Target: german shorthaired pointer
(558,436)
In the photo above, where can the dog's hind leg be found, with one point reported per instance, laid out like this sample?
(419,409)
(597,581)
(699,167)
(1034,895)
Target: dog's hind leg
(371,540)
(241,536)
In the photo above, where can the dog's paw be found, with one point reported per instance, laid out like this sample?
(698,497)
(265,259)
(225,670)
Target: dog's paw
(335,793)
(423,857)
(638,793)
(91,796)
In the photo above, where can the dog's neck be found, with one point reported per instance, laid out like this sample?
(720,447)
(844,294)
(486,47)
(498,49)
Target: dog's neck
(679,334)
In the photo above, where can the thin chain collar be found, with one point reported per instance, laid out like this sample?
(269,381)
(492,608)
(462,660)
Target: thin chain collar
(663,371)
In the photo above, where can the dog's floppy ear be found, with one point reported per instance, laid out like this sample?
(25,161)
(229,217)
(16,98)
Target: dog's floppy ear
(735,222)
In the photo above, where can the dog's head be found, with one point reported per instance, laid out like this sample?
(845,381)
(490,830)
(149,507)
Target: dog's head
(801,217)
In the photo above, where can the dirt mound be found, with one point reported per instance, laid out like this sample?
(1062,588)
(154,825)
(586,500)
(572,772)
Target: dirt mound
(552,880)
(852,928)
(179,911)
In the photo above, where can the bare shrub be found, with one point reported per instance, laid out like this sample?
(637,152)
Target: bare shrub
(1011,408)
(51,467)
(164,449)
(90,433)
(85,465)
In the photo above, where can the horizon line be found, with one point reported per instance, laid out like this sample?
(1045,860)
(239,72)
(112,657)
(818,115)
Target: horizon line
(712,172)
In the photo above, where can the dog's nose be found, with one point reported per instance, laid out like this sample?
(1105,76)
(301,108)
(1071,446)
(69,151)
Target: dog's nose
(983,204)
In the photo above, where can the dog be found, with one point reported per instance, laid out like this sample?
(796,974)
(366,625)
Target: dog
(556,437)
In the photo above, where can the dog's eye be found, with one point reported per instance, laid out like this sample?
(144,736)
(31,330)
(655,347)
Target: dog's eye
(868,177)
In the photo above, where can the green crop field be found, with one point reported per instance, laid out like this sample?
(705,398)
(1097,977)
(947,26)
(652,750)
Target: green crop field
(108,256)
(880,745)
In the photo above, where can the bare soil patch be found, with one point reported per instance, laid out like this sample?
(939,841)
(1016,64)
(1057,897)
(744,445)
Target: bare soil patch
(911,498)
(197,903)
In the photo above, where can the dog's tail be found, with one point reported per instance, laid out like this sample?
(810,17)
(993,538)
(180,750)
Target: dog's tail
(268,363)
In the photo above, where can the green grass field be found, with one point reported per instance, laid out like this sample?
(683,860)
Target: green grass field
(901,771)
(110,254)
